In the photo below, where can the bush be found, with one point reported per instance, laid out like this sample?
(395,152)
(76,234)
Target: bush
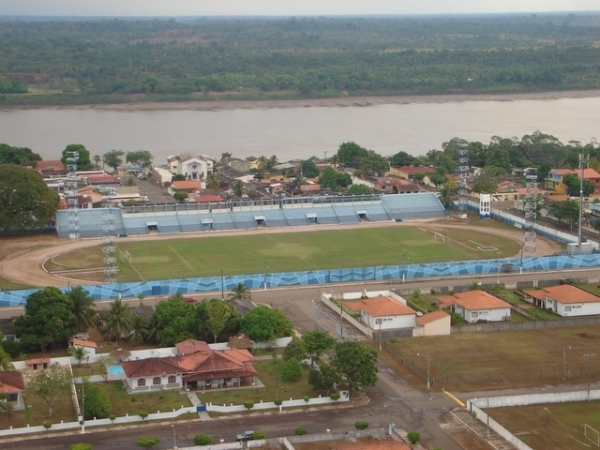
(306,398)
(97,402)
(81,446)
(248,404)
(278,402)
(361,425)
(47,425)
(300,431)
(292,370)
(202,439)
(413,437)
(112,417)
(260,434)
(143,414)
(147,442)
(335,396)
(13,348)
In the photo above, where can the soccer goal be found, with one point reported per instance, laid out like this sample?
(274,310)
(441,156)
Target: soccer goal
(125,256)
(439,237)
(591,434)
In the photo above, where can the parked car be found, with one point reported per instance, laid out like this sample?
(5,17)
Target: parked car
(245,436)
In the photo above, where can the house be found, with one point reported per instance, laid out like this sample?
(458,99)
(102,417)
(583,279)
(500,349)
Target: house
(193,167)
(565,300)
(408,172)
(435,323)
(89,346)
(51,168)
(194,366)
(383,312)
(37,363)
(397,186)
(12,385)
(189,186)
(476,306)
(555,177)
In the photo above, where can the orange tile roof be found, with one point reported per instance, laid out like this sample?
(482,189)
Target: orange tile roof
(11,381)
(411,170)
(563,293)
(31,362)
(55,164)
(187,184)
(476,300)
(84,343)
(190,346)
(432,317)
(380,306)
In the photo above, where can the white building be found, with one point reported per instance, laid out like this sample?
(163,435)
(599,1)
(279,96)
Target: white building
(565,300)
(193,167)
(475,306)
(382,312)
(435,323)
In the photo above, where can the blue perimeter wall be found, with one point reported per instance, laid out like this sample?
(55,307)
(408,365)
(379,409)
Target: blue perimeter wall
(322,277)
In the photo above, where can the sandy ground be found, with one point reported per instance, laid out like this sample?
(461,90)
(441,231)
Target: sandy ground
(22,259)
(215,103)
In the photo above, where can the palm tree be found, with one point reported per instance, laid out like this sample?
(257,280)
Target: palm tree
(97,161)
(79,353)
(447,197)
(154,331)
(83,307)
(272,162)
(5,363)
(240,291)
(238,188)
(212,181)
(262,163)
(138,329)
(119,319)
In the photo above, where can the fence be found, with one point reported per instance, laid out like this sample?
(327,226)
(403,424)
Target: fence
(443,374)
(533,325)
(344,397)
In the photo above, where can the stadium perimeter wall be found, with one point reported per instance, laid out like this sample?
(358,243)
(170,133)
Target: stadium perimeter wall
(321,277)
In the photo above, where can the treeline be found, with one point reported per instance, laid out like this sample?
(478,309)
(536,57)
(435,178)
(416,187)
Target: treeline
(116,59)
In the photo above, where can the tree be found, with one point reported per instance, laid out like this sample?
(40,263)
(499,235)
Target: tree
(20,156)
(567,211)
(83,162)
(212,181)
(351,154)
(265,324)
(238,188)
(180,196)
(485,186)
(139,329)
(447,196)
(79,353)
(113,159)
(103,361)
(292,370)
(147,442)
(325,377)
(418,177)
(177,320)
(309,169)
(26,202)
(359,189)
(438,179)
(5,359)
(356,363)
(240,291)
(328,179)
(178,177)
(118,320)
(6,406)
(83,307)
(573,182)
(295,349)
(139,158)
(51,385)
(48,319)
(413,437)
(97,402)
(218,313)
(97,161)
(259,434)
(317,342)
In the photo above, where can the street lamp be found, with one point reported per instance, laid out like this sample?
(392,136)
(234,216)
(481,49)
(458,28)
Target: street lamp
(222,286)
(389,414)
(266,268)
(83,406)
(428,357)
(565,361)
(379,322)
(589,356)
(174,438)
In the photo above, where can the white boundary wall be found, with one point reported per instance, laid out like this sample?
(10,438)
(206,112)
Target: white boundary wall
(345,316)
(476,405)
(344,397)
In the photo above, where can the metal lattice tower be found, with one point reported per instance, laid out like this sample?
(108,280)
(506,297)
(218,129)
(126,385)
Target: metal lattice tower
(71,187)
(531,202)
(110,251)
(463,171)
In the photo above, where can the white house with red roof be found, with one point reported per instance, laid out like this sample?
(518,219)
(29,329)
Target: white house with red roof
(476,306)
(565,300)
(381,311)
(12,386)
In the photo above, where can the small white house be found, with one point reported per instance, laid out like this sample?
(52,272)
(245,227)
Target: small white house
(475,306)
(565,300)
(382,312)
(435,323)
(193,167)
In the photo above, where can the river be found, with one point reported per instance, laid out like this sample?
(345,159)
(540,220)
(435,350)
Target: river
(297,132)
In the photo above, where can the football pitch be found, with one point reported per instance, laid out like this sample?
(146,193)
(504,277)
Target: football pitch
(286,252)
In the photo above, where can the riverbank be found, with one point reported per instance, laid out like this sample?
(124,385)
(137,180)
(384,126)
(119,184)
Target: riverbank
(221,102)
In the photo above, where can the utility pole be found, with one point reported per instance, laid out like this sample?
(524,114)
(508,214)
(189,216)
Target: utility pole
(83,407)
(589,357)
(222,286)
(583,159)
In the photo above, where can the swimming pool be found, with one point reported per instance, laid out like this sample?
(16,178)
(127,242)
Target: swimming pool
(115,370)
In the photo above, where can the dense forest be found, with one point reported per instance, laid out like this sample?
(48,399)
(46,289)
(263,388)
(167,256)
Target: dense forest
(85,61)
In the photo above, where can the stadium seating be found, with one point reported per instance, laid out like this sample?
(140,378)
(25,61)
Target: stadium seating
(245,219)
(413,206)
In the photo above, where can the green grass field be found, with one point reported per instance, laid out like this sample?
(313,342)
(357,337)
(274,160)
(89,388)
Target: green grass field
(283,252)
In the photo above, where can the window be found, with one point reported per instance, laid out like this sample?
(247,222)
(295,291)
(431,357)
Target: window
(156,380)
(13,397)
(567,308)
(142,382)
(172,379)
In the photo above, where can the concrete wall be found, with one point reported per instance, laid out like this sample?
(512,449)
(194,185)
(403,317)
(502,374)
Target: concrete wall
(231,408)
(491,315)
(533,325)
(440,327)
(345,316)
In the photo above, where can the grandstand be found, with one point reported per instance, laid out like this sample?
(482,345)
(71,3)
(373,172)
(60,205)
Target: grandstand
(238,214)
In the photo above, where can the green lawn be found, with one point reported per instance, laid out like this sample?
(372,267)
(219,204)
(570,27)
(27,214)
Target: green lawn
(284,252)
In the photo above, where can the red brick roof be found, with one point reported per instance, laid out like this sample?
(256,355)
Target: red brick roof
(187,185)
(411,170)
(84,343)
(191,346)
(50,164)
(208,199)
(11,381)
(31,362)
(432,317)
(380,306)
(564,293)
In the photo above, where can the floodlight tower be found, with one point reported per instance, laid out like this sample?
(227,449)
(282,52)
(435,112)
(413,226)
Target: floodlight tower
(463,171)
(109,249)
(71,187)
(531,204)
